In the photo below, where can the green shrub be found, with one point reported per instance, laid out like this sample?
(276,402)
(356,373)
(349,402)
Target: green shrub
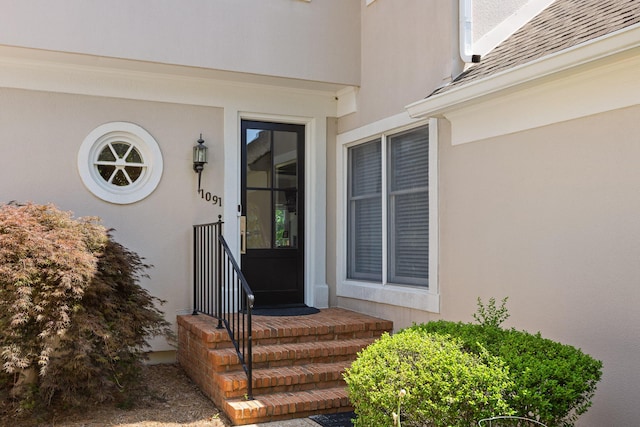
(554,383)
(444,385)
(74,321)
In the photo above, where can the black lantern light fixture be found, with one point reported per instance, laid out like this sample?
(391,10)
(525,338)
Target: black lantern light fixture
(199,158)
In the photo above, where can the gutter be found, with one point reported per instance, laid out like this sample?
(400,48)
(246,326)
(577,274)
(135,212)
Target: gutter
(603,47)
(465,29)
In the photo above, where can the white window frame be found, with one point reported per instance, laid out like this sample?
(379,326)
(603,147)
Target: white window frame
(415,297)
(133,135)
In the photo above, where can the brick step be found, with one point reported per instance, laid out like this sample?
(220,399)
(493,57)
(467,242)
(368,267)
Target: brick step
(297,363)
(282,406)
(278,355)
(285,379)
(281,330)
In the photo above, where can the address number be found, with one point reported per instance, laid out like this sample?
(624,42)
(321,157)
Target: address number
(208,197)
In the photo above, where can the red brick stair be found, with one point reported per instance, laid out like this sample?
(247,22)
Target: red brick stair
(298,363)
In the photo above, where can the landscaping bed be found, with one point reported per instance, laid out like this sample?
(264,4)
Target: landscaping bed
(166,397)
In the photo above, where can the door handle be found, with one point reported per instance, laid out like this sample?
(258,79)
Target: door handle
(243,235)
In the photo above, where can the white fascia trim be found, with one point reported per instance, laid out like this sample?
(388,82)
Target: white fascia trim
(347,100)
(506,28)
(476,91)
(59,72)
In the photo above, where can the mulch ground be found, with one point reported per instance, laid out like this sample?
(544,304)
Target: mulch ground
(168,398)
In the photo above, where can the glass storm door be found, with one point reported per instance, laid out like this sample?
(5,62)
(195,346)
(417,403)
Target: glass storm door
(272,210)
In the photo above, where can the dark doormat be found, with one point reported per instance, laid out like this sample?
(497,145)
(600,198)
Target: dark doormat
(342,419)
(297,310)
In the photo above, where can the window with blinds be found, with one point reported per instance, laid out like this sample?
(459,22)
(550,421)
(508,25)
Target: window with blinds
(408,207)
(403,198)
(365,212)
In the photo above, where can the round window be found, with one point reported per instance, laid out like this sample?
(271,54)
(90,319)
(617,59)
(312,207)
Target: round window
(120,162)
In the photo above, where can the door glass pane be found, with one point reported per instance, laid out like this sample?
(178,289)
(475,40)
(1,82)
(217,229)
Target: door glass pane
(259,158)
(286,219)
(285,159)
(258,219)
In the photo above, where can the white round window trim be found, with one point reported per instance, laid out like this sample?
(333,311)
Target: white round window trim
(132,135)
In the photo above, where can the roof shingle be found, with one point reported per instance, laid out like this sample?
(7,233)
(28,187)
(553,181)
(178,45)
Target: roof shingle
(563,24)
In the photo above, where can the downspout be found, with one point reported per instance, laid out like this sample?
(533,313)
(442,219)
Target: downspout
(465,12)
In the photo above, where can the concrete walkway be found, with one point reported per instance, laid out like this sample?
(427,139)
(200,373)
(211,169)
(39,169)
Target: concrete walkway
(298,422)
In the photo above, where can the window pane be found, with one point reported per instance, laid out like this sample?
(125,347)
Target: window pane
(134,172)
(410,245)
(106,171)
(258,158)
(365,212)
(120,179)
(409,160)
(285,159)
(366,169)
(106,155)
(134,156)
(259,219)
(120,148)
(286,219)
(367,239)
(408,201)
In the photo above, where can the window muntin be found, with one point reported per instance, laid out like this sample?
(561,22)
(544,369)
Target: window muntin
(120,162)
(403,199)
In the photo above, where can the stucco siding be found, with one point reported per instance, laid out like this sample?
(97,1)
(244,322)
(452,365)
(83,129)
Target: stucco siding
(316,40)
(40,135)
(549,218)
(401,58)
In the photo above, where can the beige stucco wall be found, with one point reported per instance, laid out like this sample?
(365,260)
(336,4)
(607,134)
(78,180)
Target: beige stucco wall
(40,134)
(549,218)
(317,40)
(402,61)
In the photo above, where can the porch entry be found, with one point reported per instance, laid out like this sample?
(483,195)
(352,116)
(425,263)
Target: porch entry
(272,248)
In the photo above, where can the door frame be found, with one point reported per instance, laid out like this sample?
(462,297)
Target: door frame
(282,266)
(316,289)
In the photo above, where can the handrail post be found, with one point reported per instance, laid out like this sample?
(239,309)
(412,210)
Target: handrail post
(219,272)
(250,302)
(195,271)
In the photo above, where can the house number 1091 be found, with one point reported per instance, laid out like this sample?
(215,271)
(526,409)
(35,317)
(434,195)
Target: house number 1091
(208,197)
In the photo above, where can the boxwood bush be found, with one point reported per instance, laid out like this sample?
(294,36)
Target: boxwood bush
(554,383)
(74,321)
(428,380)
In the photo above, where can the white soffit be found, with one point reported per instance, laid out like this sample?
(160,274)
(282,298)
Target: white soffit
(40,70)
(590,78)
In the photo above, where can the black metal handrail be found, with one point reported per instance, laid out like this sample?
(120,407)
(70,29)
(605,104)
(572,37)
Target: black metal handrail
(221,291)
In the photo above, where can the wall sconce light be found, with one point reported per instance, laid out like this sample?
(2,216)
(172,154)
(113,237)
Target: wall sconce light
(199,158)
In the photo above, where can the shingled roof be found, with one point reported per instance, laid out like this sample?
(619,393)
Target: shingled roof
(563,24)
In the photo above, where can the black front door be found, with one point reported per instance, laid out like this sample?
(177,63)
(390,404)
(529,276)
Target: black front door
(272,210)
